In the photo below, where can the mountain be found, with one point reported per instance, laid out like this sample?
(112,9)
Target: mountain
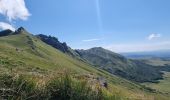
(109,61)
(22,53)
(119,65)
(22,48)
(5,32)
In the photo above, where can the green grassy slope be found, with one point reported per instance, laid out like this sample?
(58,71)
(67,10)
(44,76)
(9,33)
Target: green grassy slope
(23,53)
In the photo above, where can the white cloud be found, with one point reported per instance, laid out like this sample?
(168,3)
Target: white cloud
(14,9)
(154,36)
(4,26)
(136,47)
(90,40)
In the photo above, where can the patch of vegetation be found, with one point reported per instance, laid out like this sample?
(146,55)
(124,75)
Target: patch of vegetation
(9,63)
(61,88)
(31,43)
(16,88)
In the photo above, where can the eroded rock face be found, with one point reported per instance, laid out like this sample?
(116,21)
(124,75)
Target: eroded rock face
(54,42)
(20,30)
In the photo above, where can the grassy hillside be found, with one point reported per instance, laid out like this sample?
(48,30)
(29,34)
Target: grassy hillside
(23,54)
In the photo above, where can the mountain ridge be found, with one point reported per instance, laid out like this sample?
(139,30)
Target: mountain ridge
(54,42)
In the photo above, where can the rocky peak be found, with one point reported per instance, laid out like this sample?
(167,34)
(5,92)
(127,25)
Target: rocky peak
(20,30)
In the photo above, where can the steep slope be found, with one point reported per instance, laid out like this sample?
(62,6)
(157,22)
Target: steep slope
(118,65)
(20,46)
(23,53)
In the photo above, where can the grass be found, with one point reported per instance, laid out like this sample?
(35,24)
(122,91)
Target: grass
(44,62)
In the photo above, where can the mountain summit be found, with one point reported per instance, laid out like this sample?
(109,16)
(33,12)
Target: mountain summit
(21,30)
(7,32)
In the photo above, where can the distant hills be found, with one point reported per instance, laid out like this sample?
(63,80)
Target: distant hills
(119,65)
(148,54)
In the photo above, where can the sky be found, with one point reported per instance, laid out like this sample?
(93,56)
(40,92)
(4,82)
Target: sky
(117,25)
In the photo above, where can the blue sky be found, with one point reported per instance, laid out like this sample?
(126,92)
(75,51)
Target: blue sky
(118,25)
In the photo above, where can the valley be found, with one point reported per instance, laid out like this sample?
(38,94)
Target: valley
(163,85)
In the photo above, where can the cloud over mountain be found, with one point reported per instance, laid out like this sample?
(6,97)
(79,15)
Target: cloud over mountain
(4,26)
